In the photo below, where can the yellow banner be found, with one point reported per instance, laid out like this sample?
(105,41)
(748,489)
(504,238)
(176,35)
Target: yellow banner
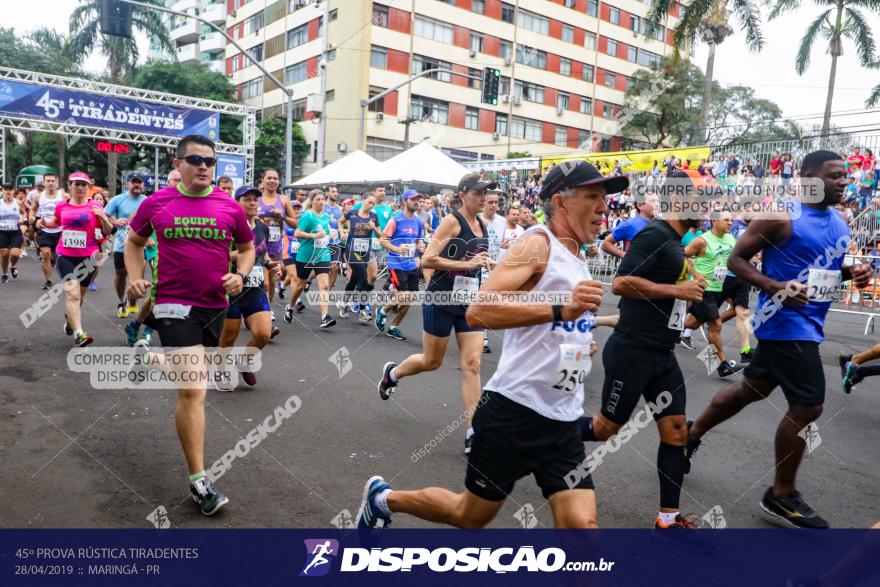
(632,161)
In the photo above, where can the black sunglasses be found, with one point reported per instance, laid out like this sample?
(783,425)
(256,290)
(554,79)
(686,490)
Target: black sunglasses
(199,160)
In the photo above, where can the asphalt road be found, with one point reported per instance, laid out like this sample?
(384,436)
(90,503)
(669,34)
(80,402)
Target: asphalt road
(74,456)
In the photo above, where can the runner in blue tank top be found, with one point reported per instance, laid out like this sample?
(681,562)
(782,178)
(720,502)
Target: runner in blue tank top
(801,269)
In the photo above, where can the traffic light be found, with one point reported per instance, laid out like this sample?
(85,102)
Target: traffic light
(115,18)
(491,79)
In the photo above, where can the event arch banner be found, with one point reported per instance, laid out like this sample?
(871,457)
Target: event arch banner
(633,161)
(48,103)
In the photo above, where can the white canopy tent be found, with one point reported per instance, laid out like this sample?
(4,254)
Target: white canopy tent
(356,168)
(422,167)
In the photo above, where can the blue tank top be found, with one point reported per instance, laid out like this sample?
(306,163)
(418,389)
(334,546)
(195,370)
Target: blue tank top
(406,232)
(819,239)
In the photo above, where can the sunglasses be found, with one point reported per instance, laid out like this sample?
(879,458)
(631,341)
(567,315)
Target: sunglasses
(197,160)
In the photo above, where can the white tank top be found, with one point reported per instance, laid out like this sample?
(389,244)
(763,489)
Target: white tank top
(10,215)
(46,210)
(542,367)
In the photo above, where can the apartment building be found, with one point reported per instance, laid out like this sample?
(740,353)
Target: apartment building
(194,41)
(565,66)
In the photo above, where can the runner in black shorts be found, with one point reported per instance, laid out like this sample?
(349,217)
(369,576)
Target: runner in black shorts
(12,218)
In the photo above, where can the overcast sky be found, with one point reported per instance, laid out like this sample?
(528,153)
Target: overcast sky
(771,72)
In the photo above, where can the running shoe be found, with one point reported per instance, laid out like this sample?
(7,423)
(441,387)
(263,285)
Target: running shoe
(356,308)
(692,541)
(93,286)
(249,378)
(209,499)
(275,331)
(147,335)
(365,318)
(68,329)
(47,285)
(381,317)
(288,314)
(308,285)
(83,339)
(386,386)
(728,368)
(486,348)
(369,310)
(222,382)
(343,310)
(792,509)
(369,514)
(394,332)
(121,310)
(299,306)
(4,278)
(746,357)
(132,309)
(13,271)
(282,291)
(327,322)
(691,448)
(849,371)
(132,329)
(687,343)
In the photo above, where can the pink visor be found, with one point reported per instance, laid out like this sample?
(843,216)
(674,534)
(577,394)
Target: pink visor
(79,176)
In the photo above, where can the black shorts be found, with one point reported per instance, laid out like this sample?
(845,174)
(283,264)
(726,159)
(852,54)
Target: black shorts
(736,290)
(632,372)
(436,321)
(303,270)
(201,327)
(795,365)
(10,239)
(66,268)
(119,261)
(48,239)
(404,280)
(707,310)
(289,261)
(511,441)
(335,254)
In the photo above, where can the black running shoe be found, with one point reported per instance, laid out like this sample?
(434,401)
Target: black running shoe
(68,329)
(686,343)
(486,348)
(300,306)
(728,368)
(13,271)
(792,509)
(690,449)
(386,386)
(746,357)
(327,321)
(275,331)
(47,285)
(288,314)
(4,278)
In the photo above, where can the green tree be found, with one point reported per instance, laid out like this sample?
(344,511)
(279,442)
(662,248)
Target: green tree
(709,19)
(193,79)
(843,19)
(270,145)
(122,54)
(518,155)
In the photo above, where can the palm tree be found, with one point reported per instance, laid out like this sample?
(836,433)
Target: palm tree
(122,54)
(709,18)
(841,20)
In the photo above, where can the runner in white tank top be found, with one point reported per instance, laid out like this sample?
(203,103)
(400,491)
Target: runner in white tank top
(526,422)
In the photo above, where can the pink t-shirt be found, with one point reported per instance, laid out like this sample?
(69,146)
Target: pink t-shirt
(78,225)
(193,237)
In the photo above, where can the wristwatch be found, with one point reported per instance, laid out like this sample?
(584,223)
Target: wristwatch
(243,277)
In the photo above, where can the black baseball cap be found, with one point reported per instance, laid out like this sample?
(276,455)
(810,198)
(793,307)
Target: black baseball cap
(245,190)
(471,181)
(571,174)
(136,177)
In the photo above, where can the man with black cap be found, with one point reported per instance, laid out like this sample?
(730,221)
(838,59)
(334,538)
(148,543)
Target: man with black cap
(120,209)
(527,419)
(639,359)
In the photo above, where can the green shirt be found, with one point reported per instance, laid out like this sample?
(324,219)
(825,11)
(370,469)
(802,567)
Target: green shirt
(314,250)
(718,249)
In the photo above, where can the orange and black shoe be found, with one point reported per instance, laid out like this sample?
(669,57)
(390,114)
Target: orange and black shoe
(672,534)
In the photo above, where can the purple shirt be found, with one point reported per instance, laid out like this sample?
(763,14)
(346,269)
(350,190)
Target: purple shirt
(193,234)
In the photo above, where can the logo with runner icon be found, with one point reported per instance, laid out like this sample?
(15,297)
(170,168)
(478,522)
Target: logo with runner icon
(320,553)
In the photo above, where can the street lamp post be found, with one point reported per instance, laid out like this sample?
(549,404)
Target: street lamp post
(288,142)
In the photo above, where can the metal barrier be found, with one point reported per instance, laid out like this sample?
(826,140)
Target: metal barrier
(602,266)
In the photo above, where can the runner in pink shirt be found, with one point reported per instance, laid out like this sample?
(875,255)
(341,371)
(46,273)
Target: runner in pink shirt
(78,218)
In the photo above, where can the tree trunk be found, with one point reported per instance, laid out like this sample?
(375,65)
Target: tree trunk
(111,173)
(836,51)
(60,141)
(707,93)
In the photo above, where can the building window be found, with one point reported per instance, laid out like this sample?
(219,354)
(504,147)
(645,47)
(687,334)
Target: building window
(568,33)
(379,58)
(477,83)
(378,105)
(534,22)
(586,105)
(529,92)
(612,47)
(562,101)
(507,12)
(531,57)
(570,3)
(472,118)
(561,136)
(433,29)
(607,110)
(504,86)
(614,15)
(295,73)
(589,73)
(583,137)
(297,4)
(478,6)
(235,62)
(529,130)
(255,23)
(501,124)
(610,79)
(421,63)
(505,49)
(476,42)
(564,66)
(257,52)
(631,54)
(593,7)
(380,15)
(629,83)
(252,89)
(299,109)
(590,41)
(647,59)
(429,110)
(298,36)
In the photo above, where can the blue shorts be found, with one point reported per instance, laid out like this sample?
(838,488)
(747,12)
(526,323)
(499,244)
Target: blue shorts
(438,322)
(250,301)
